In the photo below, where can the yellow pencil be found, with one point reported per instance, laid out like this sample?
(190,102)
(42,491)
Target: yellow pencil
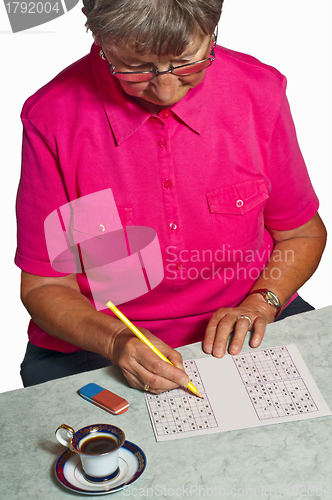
(143,338)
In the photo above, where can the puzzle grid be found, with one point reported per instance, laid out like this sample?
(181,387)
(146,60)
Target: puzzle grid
(273,383)
(178,411)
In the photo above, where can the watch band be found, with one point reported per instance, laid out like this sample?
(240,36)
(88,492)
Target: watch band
(270,298)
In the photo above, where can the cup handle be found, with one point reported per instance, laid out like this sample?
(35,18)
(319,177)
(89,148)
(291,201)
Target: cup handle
(70,435)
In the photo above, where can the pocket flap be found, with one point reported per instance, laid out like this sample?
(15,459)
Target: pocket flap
(237,199)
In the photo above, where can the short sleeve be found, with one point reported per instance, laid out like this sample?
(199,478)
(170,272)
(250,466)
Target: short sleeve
(41,191)
(292,201)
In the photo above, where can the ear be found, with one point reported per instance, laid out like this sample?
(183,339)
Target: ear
(83,10)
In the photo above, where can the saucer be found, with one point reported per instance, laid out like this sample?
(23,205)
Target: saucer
(69,472)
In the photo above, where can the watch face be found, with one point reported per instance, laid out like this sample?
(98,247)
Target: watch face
(273,299)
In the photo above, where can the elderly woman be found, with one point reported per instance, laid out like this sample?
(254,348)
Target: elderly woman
(192,140)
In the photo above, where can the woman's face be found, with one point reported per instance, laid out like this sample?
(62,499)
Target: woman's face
(167,89)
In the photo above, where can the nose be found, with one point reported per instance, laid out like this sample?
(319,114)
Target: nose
(165,86)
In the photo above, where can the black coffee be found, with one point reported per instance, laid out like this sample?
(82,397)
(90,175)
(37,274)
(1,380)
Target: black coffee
(96,445)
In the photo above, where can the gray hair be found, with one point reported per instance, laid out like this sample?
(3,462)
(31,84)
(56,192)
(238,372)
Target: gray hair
(157,26)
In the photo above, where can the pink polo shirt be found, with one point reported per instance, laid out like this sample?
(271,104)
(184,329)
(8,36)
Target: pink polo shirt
(210,175)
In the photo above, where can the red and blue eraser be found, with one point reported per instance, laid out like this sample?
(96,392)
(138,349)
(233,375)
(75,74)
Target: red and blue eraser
(103,398)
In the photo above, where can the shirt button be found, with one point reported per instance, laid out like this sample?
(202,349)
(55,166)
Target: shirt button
(178,265)
(239,203)
(173,226)
(167,184)
(166,114)
(101,228)
(162,143)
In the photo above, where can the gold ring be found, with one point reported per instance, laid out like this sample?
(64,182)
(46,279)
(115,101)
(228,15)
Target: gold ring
(242,316)
(146,387)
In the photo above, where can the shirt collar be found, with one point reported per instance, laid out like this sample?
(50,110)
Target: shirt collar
(125,116)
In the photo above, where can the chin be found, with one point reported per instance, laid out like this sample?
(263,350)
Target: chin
(155,100)
(151,97)
(158,102)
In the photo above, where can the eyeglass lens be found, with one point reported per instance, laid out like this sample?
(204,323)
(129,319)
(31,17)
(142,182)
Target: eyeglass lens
(180,71)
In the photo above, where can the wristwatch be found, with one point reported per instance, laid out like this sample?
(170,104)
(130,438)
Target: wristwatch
(270,298)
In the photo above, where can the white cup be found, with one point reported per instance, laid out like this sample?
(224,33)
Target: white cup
(98,447)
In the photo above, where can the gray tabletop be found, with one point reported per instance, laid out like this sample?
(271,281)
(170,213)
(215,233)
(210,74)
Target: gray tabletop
(289,460)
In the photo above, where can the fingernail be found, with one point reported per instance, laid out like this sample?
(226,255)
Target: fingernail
(234,350)
(218,353)
(184,381)
(208,349)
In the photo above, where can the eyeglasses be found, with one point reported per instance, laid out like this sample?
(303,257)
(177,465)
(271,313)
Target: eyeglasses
(183,70)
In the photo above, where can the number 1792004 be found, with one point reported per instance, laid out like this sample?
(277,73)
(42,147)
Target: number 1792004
(32,7)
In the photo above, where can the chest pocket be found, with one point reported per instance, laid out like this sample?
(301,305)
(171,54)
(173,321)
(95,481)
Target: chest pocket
(237,212)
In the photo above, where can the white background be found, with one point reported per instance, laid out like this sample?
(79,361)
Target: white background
(292,35)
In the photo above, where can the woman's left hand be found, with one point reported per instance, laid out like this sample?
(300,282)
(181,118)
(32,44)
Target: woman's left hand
(305,245)
(252,314)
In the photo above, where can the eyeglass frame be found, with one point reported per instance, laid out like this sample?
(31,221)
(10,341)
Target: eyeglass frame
(155,72)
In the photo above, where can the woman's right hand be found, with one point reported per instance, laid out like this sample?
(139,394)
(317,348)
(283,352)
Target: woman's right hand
(59,308)
(142,367)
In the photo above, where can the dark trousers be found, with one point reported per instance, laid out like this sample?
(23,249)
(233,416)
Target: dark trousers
(40,365)
(297,306)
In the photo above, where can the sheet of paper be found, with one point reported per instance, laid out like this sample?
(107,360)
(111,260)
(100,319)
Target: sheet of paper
(260,387)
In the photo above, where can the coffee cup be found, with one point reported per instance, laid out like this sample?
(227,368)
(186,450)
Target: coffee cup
(98,447)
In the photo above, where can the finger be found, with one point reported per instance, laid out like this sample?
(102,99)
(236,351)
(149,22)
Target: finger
(259,331)
(139,363)
(240,333)
(223,331)
(175,358)
(211,331)
(140,378)
(146,368)
(164,370)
